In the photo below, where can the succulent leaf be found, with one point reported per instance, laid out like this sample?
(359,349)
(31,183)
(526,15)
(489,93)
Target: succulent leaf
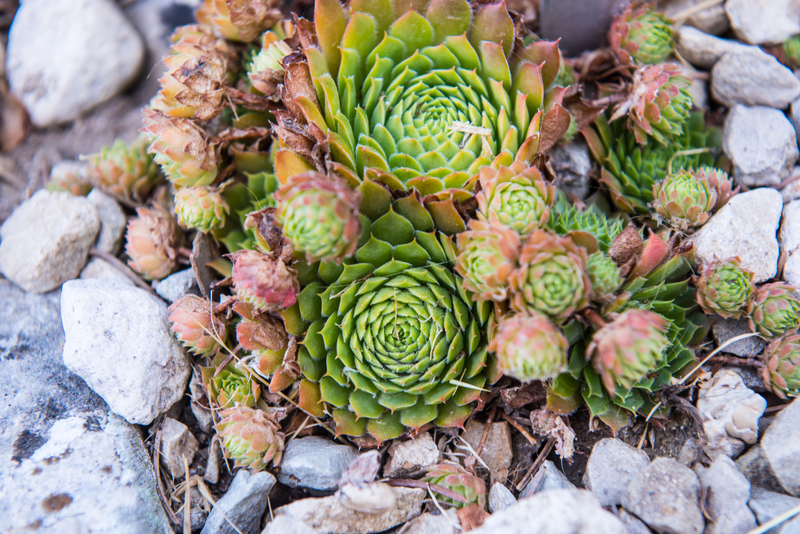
(529,347)
(456,478)
(200,208)
(781,369)
(487,256)
(774,310)
(198,328)
(152,242)
(641,35)
(251,437)
(724,287)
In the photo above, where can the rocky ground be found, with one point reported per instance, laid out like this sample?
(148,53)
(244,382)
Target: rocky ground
(102,428)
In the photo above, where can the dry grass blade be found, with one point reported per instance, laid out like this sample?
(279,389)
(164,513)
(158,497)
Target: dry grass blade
(159,486)
(519,428)
(772,523)
(538,463)
(421,484)
(473,452)
(187,501)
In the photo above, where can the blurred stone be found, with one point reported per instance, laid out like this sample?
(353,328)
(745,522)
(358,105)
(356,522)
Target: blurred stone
(315,463)
(112,222)
(99,268)
(177,285)
(756,468)
(781,446)
(580,24)
(610,468)
(703,50)
(740,77)
(789,237)
(768,505)
(572,165)
(725,329)
(712,20)
(500,498)
(177,443)
(242,505)
(409,458)
(727,492)
(549,477)
(496,450)
(763,21)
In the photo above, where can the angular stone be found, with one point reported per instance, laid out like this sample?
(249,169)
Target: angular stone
(725,329)
(46,240)
(712,20)
(409,458)
(433,524)
(789,237)
(243,505)
(610,468)
(500,498)
(781,446)
(745,227)
(548,478)
(727,492)
(554,512)
(99,268)
(177,285)
(761,143)
(741,75)
(177,443)
(703,50)
(580,24)
(768,505)
(112,222)
(572,165)
(496,450)
(666,496)
(756,469)
(67,56)
(763,21)
(730,414)
(633,524)
(119,341)
(283,524)
(315,463)
(327,514)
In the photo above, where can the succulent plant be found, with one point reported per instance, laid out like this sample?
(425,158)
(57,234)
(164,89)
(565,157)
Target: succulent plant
(567,218)
(774,310)
(319,216)
(658,103)
(487,255)
(230,387)
(393,339)
(70,182)
(263,336)
(719,181)
(198,328)
(181,148)
(125,171)
(266,71)
(604,275)
(152,242)
(781,369)
(238,20)
(193,85)
(791,51)
(552,277)
(200,208)
(684,199)
(627,349)
(529,347)
(724,287)
(251,437)
(516,196)
(629,170)
(263,281)
(456,478)
(421,96)
(641,35)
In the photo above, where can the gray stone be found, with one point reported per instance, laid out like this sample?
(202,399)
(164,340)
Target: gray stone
(283,524)
(199,509)
(730,413)
(740,77)
(327,514)
(725,329)
(177,443)
(496,452)
(611,466)
(243,505)
(554,512)
(112,222)
(99,268)
(409,458)
(746,227)
(548,478)
(433,524)
(314,463)
(703,50)
(119,341)
(665,495)
(789,237)
(500,498)
(46,240)
(768,505)
(712,20)
(633,524)
(781,446)
(215,460)
(370,498)
(67,56)
(794,118)
(756,469)
(580,24)
(761,143)
(792,190)
(177,285)
(763,21)
(572,165)
(67,465)
(727,492)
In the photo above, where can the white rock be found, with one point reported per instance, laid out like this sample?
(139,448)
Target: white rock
(730,414)
(434,524)
(763,21)
(768,505)
(243,504)
(789,237)
(408,458)
(373,498)
(327,514)
(118,340)
(500,498)
(283,524)
(549,477)
(746,227)
(727,492)
(740,77)
(703,50)
(611,466)
(761,143)
(112,222)
(177,285)
(177,443)
(496,453)
(46,240)
(791,191)
(756,468)
(711,20)
(99,268)
(633,524)
(315,463)
(562,511)
(2,60)
(665,495)
(65,167)
(67,56)
(781,447)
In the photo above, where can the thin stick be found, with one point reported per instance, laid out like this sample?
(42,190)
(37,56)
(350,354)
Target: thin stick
(441,490)
(776,521)
(187,501)
(684,15)
(124,269)
(485,433)
(441,510)
(157,467)
(538,463)
(519,428)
